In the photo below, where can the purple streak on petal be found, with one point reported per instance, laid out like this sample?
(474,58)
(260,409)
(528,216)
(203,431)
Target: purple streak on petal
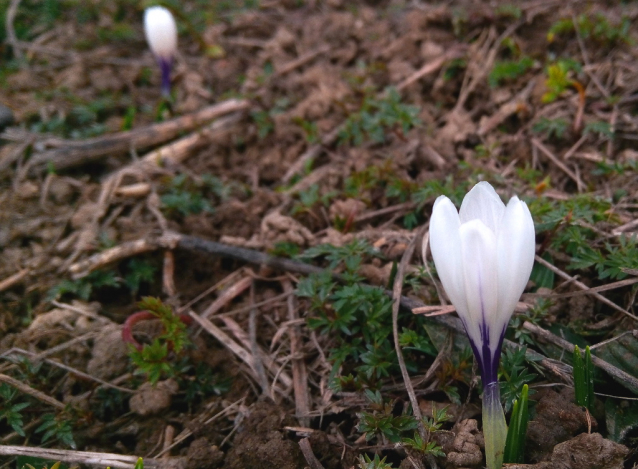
(488,362)
(165,67)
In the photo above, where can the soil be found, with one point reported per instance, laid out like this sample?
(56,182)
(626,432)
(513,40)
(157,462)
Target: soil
(283,163)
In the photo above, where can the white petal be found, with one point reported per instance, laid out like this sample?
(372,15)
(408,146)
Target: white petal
(516,248)
(445,244)
(478,246)
(161,32)
(483,203)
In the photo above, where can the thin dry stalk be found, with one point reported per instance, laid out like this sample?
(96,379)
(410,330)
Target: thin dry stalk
(396,303)
(26,389)
(299,371)
(584,287)
(270,363)
(574,177)
(228,295)
(221,336)
(14,279)
(90,458)
(311,459)
(76,153)
(118,253)
(254,347)
(626,379)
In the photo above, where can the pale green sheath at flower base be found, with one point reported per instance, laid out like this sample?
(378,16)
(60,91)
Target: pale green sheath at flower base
(484,256)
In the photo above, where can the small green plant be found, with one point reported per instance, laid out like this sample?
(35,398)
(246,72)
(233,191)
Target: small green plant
(377,117)
(185,197)
(366,463)
(264,118)
(552,128)
(509,10)
(583,378)
(432,425)
(600,128)
(310,198)
(11,410)
(139,271)
(154,359)
(516,375)
(596,27)
(381,422)
(309,129)
(83,287)
(533,315)
(356,316)
(559,78)
(517,430)
(509,70)
(57,427)
(200,382)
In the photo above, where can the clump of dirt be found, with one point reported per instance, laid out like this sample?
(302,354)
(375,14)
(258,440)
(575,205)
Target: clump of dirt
(465,450)
(557,419)
(586,451)
(150,400)
(204,455)
(261,441)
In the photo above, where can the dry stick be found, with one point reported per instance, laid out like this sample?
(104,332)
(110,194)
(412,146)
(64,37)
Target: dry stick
(76,153)
(311,459)
(100,460)
(12,39)
(118,253)
(230,344)
(267,360)
(75,371)
(506,110)
(227,296)
(396,297)
(431,67)
(254,347)
(302,60)
(13,279)
(559,163)
(611,370)
(582,286)
(590,291)
(32,392)
(311,153)
(299,371)
(192,243)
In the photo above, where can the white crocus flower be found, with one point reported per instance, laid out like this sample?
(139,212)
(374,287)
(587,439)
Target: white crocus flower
(484,256)
(161,34)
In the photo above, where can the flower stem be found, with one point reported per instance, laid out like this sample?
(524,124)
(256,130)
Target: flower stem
(494,426)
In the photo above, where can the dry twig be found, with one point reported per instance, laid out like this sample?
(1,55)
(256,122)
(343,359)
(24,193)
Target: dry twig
(90,458)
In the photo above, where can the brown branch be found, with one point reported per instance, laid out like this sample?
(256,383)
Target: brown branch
(584,287)
(299,371)
(90,458)
(26,389)
(311,459)
(396,303)
(621,376)
(72,153)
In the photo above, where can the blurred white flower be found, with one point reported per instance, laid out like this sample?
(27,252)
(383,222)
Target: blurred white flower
(161,34)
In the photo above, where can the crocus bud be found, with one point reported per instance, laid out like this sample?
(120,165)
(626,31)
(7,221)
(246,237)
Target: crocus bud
(161,35)
(484,256)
